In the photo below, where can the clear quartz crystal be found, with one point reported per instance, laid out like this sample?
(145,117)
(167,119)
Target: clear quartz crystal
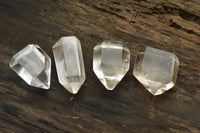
(69,63)
(111,62)
(33,65)
(156,70)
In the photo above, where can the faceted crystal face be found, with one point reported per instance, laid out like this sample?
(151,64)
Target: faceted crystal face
(111,62)
(69,63)
(156,70)
(33,65)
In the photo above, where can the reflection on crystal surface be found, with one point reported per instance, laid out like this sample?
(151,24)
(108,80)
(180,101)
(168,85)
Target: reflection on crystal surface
(111,62)
(156,70)
(33,65)
(69,63)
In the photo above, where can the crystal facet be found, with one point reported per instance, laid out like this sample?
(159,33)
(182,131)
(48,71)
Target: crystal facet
(69,63)
(33,65)
(111,62)
(156,70)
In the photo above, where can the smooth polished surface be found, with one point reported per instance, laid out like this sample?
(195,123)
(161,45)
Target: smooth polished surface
(170,25)
(111,62)
(69,63)
(156,69)
(33,65)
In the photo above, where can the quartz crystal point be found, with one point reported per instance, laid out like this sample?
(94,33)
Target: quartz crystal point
(156,70)
(33,65)
(69,63)
(111,62)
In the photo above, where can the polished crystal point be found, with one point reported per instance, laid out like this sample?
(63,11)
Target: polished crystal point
(156,70)
(69,63)
(33,65)
(111,62)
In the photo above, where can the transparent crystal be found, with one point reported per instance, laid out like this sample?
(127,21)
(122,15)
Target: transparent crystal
(33,65)
(111,62)
(69,63)
(156,70)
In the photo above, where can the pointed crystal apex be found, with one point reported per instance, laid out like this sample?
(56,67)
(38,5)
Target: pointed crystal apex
(110,83)
(75,87)
(69,63)
(156,70)
(33,65)
(111,62)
